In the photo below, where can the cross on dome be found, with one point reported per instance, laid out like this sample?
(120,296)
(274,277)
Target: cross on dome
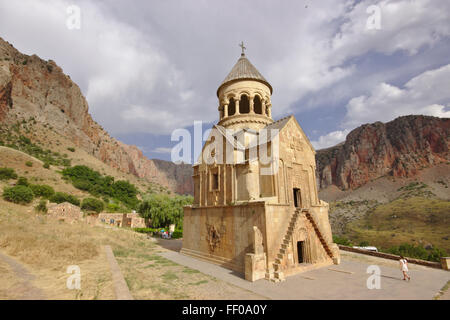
(243,48)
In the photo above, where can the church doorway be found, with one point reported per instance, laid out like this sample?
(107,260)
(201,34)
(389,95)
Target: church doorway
(300,245)
(297,198)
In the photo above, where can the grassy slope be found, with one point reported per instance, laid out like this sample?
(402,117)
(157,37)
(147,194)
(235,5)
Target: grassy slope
(47,247)
(46,138)
(416,216)
(414,220)
(36,174)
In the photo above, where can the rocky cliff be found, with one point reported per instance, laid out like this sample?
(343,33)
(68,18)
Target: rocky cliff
(399,148)
(34,88)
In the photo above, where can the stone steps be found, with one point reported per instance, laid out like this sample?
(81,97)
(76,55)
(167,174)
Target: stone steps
(278,275)
(319,234)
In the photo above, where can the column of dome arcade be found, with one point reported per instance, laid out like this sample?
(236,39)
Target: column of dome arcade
(245,103)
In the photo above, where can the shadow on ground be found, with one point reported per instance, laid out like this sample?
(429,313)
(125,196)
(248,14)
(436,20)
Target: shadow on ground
(170,244)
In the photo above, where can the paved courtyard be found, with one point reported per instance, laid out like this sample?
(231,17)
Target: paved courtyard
(345,281)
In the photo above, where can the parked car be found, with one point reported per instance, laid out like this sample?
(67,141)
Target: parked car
(374,249)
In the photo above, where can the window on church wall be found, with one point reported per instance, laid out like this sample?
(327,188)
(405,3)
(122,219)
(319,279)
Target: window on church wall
(197,190)
(244,104)
(231,107)
(257,105)
(215,181)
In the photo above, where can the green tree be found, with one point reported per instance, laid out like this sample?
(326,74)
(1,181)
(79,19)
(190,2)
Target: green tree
(44,190)
(7,174)
(18,194)
(86,179)
(164,210)
(418,252)
(60,197)
(42,206)
(342,241)
(92,204)
(22,181)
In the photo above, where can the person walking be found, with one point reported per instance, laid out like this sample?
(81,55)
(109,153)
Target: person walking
(404,268)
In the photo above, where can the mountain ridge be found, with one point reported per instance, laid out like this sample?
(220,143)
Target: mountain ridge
(399,148)
(31,87)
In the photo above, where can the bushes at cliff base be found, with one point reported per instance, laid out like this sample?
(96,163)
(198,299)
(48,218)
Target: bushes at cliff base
(18,194)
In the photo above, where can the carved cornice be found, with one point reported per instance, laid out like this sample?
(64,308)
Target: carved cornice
(245,118)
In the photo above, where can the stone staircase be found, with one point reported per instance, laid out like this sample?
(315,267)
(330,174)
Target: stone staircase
(319,234)
(278,273)
(277,267)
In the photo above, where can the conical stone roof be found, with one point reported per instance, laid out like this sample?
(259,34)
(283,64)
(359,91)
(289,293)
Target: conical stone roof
(244,70)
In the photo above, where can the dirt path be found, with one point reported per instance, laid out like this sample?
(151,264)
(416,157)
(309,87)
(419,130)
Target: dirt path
(24,290)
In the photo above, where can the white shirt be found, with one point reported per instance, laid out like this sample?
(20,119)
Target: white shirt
(403,265)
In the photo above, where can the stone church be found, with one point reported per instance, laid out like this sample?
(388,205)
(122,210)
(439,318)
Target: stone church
(260,218)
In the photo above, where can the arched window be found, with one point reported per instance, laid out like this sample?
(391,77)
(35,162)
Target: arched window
(244,104)
(231,107)
(257,105)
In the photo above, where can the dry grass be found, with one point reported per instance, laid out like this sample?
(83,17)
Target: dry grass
(443,293)
(8,283)
(36,241)
(49,139)
(47,247)
(150,276)
(37,174)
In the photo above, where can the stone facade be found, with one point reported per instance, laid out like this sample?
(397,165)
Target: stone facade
(135,221)
(65,212)
(70,213)
(261,218)
(131,220)
(445,263)
(113,219)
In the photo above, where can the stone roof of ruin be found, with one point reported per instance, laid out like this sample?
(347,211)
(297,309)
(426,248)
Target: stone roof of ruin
(244,70)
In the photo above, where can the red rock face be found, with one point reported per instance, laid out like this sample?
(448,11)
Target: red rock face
(32,87)
(5,100)
(399,148)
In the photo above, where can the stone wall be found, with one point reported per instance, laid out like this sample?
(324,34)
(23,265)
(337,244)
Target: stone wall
(392,257)
(135,221)
(66,212)
(222,234)
(116,219)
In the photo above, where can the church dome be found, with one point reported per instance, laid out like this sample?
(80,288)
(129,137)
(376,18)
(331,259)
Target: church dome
(244,97)
(244,70)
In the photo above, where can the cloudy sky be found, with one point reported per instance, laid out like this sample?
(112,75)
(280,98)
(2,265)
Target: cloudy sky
(149,67)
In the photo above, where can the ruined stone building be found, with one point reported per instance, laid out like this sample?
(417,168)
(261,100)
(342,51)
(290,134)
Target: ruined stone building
(261,218)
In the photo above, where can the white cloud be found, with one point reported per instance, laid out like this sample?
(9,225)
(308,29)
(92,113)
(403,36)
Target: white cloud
(116,65)
(162,150)
(330,139)
(426,94)
(405,25)
(153,67)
